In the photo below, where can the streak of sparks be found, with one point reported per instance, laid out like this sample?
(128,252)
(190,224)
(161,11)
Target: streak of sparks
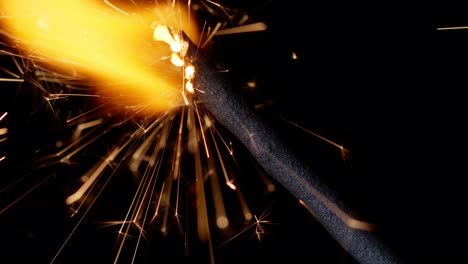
(143,148)
(452,28)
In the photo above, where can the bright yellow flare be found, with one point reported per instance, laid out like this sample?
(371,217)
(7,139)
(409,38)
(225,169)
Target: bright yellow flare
(117,49)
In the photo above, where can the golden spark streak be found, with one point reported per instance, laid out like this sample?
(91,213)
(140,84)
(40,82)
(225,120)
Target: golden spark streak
(452,28)
(244,206)
(210,36)
(94,174)
(156,212)
(81,127)
(10,73)
(203,227)
(3,116)
(2,210)
(222,220)
(229,182)
(11,80)
(344,152)
(259,26)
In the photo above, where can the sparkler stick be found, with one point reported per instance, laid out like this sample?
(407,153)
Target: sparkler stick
(254,132)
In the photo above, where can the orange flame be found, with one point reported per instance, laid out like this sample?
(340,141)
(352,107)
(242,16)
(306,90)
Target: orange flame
(114,47)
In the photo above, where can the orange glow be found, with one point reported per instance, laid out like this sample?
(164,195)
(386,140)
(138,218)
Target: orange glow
(115,48)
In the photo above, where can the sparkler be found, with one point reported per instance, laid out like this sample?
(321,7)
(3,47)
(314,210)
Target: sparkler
(145,147)
(57,53)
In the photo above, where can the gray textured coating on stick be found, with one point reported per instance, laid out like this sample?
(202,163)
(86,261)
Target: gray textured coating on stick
(232,111)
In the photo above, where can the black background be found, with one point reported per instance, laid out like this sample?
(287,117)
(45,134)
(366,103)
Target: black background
(378,78)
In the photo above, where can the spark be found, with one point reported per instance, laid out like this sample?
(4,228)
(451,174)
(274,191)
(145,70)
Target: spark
(258,224)
(252,84)
(294,56)
(86,125)
(80,220)
(18,67)
(91,177)
(258,26)
(10,73)
(344,152)
(114,7)
(11,80)
(452,28)
(229,182)
(84,114)
(221,218)
(208,39)
(244,18)
(214,3)
(7,207)
(63,95)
